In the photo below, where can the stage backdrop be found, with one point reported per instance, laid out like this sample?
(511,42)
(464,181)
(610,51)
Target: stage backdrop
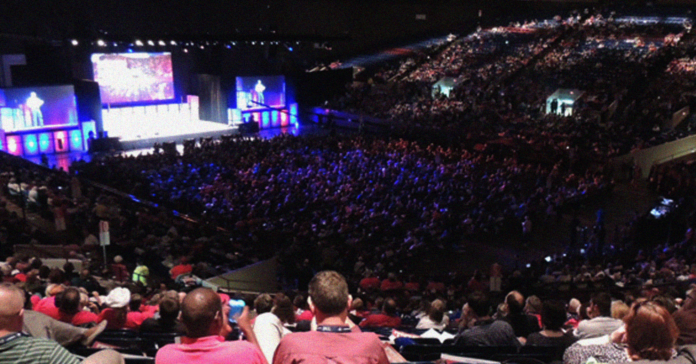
(89,105)
(212,99)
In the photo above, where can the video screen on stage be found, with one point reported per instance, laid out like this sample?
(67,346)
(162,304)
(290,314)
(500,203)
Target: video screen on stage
(37,107)
(260,92)
(131,78)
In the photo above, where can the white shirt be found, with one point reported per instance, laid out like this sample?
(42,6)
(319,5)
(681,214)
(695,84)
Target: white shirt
(269,330)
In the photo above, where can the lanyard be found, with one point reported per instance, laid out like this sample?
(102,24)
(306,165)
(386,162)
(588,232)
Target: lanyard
(9,338)
(337,329)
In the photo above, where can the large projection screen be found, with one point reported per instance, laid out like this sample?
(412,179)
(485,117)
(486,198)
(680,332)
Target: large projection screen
(260,92)
(133,78)
(37,107)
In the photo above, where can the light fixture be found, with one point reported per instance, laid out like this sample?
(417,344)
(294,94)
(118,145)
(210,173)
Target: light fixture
(75,42)
(138,42)
(101,43)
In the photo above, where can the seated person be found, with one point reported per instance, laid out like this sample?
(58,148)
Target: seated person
(600,322)
(205,320)
(332,340)
(168,321)
(552,316)
(386,318)
(649,334)
(72,306)
(436,318)
(479,327)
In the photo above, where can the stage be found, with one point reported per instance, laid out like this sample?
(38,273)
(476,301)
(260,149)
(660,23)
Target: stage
(140,127)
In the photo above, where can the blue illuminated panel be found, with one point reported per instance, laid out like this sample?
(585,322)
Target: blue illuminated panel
(31,144)
(87,127)
(275,120)
(265,120)
(293,113)
(45,143)
(76,140)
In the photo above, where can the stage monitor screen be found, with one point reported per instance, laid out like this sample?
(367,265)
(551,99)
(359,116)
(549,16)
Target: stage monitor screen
(37,107)
(132,78)
(260,92)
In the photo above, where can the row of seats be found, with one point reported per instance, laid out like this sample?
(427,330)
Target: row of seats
(137,347)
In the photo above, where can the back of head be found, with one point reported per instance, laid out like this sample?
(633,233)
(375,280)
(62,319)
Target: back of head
(135,302)
(300,301)
(515,303)
(284,310)
(263,303)
(70,300)
(603,302)
(437,311)
(12,299)
(553,315)
(389,307)
(619,310)
(534,305)
(169,309)
(199,312)
(650,332)
(480,304)
(329,293)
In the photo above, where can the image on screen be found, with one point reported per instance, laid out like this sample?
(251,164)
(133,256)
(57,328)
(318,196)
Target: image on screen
(129,78)
(260,92)
(37,107)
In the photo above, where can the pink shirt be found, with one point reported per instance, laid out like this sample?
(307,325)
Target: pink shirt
(328,347)
(47,306)
(209,350)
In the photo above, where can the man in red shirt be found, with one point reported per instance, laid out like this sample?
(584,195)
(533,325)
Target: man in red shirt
(182,268)
(203,315)
(386,318)
(333,341)
(370,282)
(72,311)
(391,283)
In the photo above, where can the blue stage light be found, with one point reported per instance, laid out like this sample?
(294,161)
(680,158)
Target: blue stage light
(45,143)
(76,140)
(31,145)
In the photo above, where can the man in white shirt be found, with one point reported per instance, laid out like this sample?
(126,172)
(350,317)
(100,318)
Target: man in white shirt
(601,322)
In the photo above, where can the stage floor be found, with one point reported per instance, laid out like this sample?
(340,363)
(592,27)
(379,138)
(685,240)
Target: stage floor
(157,122)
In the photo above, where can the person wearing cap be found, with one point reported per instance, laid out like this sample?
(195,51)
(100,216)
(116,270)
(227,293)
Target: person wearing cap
(205,319)
(117,300)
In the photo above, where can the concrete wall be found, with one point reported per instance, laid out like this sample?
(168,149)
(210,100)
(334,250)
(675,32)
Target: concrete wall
(646,158)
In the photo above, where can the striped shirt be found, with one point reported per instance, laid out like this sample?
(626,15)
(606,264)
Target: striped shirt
(29,350)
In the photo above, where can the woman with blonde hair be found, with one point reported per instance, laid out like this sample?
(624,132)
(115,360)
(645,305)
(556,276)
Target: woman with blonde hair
(436,318)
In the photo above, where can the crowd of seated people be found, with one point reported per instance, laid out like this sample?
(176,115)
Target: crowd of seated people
(547,328)
(370,207)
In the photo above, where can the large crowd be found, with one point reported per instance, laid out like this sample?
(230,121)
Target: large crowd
(485,162)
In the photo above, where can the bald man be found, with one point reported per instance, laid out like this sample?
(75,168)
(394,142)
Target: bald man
(18,348)
(205,319)
(522,323)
